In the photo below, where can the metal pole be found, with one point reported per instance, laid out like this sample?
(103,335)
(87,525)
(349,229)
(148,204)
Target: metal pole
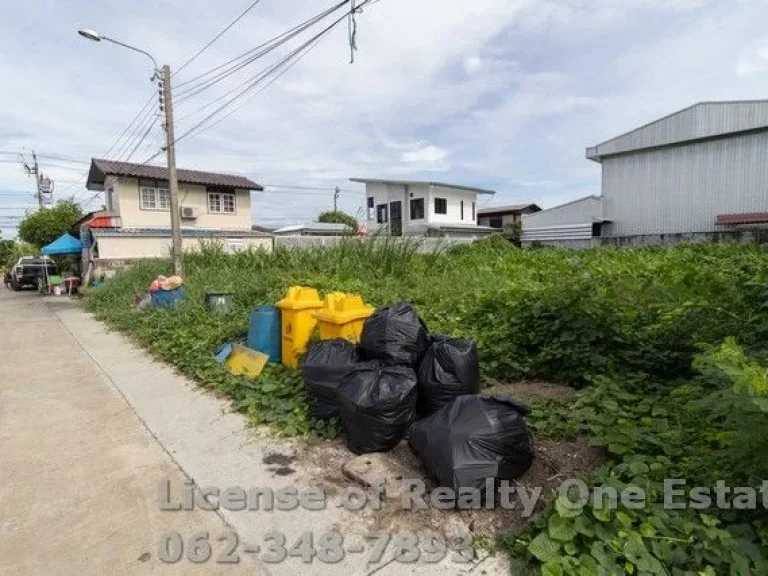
(173,182)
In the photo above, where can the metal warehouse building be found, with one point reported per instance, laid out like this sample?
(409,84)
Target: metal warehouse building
(698,174)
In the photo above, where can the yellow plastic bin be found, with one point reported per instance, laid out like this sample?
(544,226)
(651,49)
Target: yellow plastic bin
(342,316)
(298,321)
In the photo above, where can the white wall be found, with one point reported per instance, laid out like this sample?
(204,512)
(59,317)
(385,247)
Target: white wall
(130,248)
(386,193)
(454,199)
(128,208)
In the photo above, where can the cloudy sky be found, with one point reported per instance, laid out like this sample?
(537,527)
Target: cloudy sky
(504,94)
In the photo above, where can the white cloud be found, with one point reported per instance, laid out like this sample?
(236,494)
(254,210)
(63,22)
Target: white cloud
(428,154)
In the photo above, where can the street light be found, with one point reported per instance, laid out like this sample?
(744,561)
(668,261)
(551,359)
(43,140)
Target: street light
(96,37)
(173,182)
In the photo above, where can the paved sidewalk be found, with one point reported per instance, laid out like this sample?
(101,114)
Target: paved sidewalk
(90,424)
(78,468)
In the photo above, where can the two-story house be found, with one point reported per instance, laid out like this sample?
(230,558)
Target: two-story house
(137,223)
(407,207)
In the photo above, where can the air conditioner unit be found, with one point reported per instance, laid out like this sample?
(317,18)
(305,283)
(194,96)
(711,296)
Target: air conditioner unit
(188,212)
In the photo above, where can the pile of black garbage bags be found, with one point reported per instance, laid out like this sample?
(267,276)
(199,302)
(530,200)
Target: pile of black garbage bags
(401,381)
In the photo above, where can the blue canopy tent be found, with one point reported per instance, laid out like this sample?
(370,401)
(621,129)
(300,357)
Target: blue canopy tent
(64,244)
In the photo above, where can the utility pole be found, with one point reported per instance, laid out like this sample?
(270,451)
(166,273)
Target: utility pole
(173,181)
(43,185)
(336,193)
(170,148)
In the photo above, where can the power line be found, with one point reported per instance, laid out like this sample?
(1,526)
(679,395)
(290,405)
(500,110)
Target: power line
(250,53)
(219,35)
(254,82)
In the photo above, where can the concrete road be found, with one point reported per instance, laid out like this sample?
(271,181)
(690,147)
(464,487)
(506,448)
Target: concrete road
(78,468)
(91,425)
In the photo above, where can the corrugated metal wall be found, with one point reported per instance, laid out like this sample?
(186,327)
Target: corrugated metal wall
(683,188)
(583,210)
(697,122)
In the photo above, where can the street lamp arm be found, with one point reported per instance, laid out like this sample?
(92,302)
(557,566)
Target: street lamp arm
(139,50)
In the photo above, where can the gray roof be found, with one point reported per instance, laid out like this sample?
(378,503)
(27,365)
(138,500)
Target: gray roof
(421,183)
(702,121)
(102,168)
(185,233)
(506,209)
(320,227)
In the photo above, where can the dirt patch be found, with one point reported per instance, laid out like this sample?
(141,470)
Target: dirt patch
(527,391)
(278,459)
(554,462)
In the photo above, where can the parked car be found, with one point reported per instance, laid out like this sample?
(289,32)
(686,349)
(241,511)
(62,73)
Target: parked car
(28,269)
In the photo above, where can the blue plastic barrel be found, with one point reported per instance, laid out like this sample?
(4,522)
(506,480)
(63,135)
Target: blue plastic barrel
(264,331)
(168,298)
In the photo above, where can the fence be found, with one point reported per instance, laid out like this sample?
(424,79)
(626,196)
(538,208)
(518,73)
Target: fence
(426,245)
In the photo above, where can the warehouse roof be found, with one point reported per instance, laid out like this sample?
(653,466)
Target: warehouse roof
(506,209)
(702,121)
(421,183)
(102,168)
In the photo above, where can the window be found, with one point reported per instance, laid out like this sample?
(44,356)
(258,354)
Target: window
(597,229)
(234,246)
(462,210)
(221,203)
(381,213)
(441,206)
(370,208)
(110,200)
(153,198)
(474,217)
(417,209)
(496,222)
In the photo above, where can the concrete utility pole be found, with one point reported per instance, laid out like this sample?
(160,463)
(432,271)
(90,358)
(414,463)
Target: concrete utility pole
(336,193)
(43,185)
(173,181)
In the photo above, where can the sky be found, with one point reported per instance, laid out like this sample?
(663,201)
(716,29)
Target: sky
(501,94)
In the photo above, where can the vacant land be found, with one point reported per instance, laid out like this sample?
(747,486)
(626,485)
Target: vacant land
(666,345)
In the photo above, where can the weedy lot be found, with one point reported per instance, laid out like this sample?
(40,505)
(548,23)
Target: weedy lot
(667,347)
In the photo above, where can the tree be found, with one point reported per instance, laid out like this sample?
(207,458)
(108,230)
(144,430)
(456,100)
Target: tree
(338,217)
(46,224)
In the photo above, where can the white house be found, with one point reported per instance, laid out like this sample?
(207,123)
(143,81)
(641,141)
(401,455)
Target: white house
(575,224)
(137,222)
(409,207)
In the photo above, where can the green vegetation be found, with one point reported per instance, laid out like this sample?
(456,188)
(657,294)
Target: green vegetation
(338,217)
(668,346)
(43,226)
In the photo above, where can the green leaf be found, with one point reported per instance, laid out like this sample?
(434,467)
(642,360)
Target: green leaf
(565,509)
(551,569)
(638,468)
(562,529)
(604,558)
(544,548)
(624,519)
(602,514)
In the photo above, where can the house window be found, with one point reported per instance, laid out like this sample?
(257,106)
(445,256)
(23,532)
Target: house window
(441,206)
(496,222)
(153,198)
(417,209)
(474,217)
(110,200)
(370,208)
(221,203)
(462,210)
(381,213)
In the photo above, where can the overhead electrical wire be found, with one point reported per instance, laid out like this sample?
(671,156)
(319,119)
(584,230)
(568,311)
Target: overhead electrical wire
(182,96)
(219,35)
(253,82)
(249,54)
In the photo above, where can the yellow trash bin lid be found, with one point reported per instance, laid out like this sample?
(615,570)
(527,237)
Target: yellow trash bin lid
(342,308)
(300,298)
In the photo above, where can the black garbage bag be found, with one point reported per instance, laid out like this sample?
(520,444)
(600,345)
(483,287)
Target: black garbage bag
(378,405)
(395,335)
(450,368)
(472,439)
(323,367)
